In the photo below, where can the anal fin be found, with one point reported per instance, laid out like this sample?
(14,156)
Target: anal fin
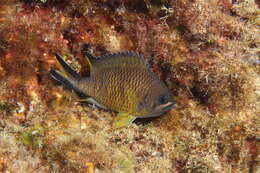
(90,100)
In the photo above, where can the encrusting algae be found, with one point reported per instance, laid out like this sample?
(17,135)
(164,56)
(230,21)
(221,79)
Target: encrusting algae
(121,82)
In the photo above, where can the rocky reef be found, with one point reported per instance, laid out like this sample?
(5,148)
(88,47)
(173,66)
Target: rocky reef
(207,52)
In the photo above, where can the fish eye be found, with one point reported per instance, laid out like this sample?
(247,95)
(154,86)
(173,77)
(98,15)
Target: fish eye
(163,100)
(140,105)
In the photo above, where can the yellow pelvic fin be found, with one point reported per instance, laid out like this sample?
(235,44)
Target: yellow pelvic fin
(122,119)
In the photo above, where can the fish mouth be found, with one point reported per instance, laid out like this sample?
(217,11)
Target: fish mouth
(169,106)
(166,107)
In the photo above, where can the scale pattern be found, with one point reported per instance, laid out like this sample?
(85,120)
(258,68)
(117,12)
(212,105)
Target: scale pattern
(120,88)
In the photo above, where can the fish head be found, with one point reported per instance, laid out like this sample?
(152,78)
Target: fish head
(156,101)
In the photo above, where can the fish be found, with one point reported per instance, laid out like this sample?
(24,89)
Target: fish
(122,82)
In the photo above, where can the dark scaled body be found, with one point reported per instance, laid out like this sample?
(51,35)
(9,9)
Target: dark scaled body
(121,82)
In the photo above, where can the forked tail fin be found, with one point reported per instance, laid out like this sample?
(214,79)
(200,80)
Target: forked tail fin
(67,68)
(58,76)
(69,79)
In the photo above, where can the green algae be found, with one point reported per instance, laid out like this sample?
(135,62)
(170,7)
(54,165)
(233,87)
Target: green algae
(124,163)
(32,136)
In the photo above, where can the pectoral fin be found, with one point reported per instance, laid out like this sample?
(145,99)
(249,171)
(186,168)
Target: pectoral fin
(122,119)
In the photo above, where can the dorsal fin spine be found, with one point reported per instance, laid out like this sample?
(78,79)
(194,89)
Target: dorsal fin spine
(116,60)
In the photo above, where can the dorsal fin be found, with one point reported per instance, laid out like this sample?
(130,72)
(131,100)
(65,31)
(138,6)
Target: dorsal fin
(129,58)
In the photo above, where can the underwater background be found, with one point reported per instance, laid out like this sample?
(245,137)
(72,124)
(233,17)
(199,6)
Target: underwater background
(206,52)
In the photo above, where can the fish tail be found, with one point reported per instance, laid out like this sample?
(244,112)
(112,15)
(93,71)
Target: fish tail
(70,79)
(72,73)
(67,82)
